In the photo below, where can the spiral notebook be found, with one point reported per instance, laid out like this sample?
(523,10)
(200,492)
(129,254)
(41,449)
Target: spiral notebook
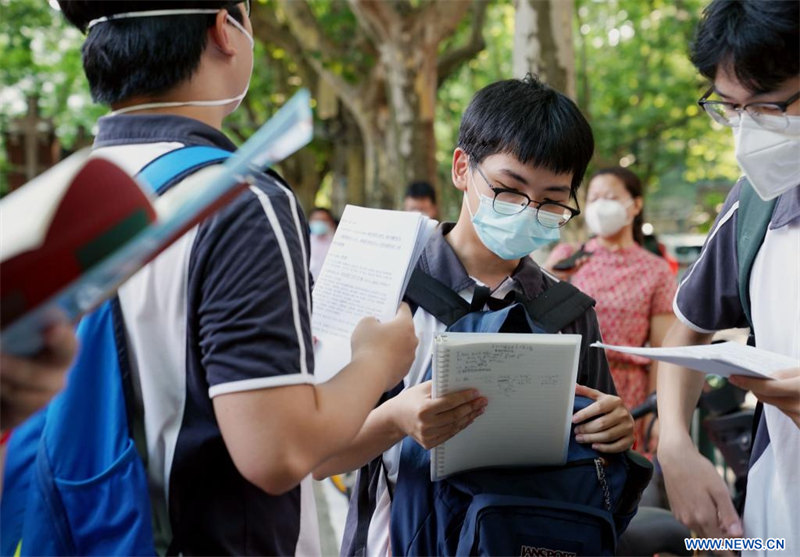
(529,381)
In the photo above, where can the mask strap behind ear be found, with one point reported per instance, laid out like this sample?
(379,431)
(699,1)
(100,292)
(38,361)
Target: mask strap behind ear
(147,13)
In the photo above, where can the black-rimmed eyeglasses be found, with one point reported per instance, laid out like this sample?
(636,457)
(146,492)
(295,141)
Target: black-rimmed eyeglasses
(770,115)
(550,214)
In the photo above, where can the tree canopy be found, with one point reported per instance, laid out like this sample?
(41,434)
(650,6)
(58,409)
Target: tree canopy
(391,79)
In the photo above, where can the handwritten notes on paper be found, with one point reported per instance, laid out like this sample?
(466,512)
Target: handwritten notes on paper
(529,380)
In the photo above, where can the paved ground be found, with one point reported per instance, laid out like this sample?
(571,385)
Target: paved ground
(331,511)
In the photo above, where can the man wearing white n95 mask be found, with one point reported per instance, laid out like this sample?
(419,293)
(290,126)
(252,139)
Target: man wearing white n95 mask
(751,52)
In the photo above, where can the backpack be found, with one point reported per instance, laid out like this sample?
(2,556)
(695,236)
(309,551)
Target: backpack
(578,508)
(75,480)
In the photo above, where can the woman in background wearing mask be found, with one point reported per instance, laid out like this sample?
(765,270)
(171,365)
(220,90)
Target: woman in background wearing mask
(633,287)
(321,225)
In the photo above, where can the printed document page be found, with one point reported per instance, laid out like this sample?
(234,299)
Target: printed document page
(529,381)
(365,273)
(725,359)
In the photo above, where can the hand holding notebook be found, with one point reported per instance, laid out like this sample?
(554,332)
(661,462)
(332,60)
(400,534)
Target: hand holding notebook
(529,381)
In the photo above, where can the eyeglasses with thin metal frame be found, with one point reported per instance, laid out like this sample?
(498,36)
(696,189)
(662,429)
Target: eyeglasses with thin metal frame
(550,214)
(763,114)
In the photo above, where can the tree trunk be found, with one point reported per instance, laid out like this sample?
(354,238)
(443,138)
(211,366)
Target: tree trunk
(392,96)
(409,146)
(543,42)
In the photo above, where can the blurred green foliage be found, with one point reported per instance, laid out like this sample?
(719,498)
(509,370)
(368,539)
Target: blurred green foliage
(634,82)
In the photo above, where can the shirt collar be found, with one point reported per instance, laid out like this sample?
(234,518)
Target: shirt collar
(126,129)
(787,208)
(441,262)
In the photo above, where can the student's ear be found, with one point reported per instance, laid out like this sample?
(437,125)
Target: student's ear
(460,169)
(220,34)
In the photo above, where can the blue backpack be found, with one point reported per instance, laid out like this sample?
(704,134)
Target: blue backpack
(579,508)
(74,481)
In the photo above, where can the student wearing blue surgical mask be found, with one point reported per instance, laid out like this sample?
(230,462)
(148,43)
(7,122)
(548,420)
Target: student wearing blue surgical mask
(518,176)
(321,225)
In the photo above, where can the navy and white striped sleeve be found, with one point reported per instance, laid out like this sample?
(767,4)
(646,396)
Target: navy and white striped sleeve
(252,286)
(708,296)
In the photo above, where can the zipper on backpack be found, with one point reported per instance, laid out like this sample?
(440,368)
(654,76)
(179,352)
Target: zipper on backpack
(600,469)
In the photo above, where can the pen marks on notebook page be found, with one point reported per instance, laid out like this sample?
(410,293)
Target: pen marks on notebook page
(474,367)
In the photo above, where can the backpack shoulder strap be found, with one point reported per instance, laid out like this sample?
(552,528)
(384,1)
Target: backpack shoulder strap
(752,220)
(557,306)
(435,297)
(553,309)
(170,168)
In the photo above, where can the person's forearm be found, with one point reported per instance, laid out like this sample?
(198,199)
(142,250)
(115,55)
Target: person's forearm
(678,387)
(652,380)
(278,436)
(343,404)
(378,434)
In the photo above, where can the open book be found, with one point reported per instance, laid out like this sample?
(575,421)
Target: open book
(365,273)
(72,235)
(529,381)
(725,359)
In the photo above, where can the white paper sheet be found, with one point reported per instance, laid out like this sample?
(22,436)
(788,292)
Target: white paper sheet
(725,359)
(365,273)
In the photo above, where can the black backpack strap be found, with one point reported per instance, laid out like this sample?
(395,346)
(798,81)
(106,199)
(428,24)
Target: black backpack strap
(365,495)
(557,306)
(752,221)
(553,309)
(133,408)
(435,297)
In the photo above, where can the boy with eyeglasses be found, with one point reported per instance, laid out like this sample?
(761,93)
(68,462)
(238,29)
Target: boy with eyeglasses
(522,151)
(217,328)
(751,52)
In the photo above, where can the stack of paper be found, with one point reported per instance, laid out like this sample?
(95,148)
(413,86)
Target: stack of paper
(365,273)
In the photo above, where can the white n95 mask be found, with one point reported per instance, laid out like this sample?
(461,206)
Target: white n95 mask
(606,217)
(770,159)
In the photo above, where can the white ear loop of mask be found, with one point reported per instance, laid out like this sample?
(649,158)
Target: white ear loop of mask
(159,13)
(147,13)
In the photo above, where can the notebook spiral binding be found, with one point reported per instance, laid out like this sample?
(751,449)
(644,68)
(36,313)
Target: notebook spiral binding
(441,362)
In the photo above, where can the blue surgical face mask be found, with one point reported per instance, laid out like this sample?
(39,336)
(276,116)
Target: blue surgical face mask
(319,228)
(510,236)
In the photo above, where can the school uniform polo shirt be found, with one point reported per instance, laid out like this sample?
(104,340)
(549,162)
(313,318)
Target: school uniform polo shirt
(439,261)
(225,309)
(708,300)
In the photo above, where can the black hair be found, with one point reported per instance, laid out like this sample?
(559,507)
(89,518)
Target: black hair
(421,190)
(533,122)
(635,188)
(757,41)
(328,212)
(145,55)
